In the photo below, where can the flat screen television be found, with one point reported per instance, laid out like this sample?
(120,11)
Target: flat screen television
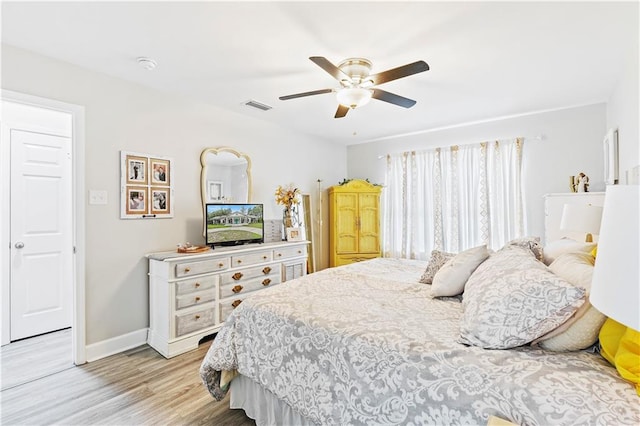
(233,224)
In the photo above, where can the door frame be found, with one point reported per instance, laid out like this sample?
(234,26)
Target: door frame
(78,327)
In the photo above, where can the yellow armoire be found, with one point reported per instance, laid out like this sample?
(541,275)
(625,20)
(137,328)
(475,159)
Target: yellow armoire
(354,222)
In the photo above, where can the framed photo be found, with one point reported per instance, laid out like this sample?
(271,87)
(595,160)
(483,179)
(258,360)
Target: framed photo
(295,234)
(160,200)
(160,172)
(137,200)
(146,186)
(136,169)
(214,190)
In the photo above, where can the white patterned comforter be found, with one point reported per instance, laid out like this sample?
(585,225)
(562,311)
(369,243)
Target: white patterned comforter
(365,344)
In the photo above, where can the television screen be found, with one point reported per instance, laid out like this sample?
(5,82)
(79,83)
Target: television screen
(232,224)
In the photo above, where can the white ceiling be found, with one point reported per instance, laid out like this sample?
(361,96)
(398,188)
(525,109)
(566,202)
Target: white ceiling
(487,60)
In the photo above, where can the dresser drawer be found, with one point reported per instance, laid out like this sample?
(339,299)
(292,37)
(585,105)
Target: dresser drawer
(242,275)
(231,289)
(196,298)
(228,305)
(287,252)
(196,320)
(250,259)
(196,284)
(194,268)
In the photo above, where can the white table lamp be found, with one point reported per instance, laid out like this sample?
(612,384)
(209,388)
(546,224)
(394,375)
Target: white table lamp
(583,218)
(615,286)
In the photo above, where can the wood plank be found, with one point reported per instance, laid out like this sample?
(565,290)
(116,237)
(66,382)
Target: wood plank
(138,386)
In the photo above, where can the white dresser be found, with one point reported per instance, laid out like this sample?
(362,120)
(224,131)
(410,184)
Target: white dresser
(191,295)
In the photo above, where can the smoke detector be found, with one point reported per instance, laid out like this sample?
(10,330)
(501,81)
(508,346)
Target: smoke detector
(147,63)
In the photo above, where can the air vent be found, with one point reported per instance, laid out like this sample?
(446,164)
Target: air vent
(259,105)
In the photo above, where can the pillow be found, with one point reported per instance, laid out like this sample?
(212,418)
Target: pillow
(531,243)
(438,258)
(564,245)
(620,346)
(512,299)
(581,330)
(451,278)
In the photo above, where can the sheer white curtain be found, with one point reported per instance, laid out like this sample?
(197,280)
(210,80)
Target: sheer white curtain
(452,199)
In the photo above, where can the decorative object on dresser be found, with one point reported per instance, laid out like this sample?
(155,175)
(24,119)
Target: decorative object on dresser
(289,197)
(583,218)
(146,189)
(190,296)
(579,183)
(354,222)
(553,208)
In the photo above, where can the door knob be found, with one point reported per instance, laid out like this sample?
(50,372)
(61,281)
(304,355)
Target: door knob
(19,245)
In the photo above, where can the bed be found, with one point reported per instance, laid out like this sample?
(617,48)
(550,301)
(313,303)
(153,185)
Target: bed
(368,344)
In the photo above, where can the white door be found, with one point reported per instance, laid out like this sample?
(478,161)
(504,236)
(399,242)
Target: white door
(41,269)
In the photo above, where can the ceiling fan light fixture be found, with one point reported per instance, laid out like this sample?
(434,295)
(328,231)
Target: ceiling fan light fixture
(354,97)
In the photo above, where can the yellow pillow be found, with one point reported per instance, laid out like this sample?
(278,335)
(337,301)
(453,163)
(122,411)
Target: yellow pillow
(621,347)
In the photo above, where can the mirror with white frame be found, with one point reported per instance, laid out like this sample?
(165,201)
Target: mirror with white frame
(225,176)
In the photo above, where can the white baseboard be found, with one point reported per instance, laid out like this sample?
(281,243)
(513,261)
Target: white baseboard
(115,345)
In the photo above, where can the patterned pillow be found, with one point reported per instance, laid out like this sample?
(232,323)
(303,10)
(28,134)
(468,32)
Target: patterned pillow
(531,243)
(512,299)
(438,259)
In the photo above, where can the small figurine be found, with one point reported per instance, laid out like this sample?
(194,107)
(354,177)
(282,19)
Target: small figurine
(582,183)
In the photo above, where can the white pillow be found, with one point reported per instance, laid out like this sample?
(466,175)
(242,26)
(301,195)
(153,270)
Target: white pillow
(451,278)
(582,329)
(554,249)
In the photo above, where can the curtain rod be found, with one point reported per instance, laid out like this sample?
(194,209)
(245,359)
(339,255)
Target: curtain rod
(539,137)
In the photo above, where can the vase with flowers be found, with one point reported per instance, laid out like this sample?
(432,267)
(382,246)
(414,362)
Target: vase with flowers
(289,197)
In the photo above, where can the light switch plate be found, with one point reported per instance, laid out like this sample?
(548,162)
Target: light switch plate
(97,197)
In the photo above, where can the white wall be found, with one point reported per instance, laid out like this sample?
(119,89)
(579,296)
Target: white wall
(125,116)
(572,143)
(623,113)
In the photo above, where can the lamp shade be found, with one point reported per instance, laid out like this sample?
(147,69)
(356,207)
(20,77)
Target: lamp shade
(615,286)
(354,97)
(581,218)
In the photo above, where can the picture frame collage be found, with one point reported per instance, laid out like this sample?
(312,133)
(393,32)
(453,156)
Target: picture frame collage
(147,186)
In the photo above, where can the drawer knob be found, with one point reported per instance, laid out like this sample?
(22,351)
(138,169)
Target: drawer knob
(197,317)
(266,282)
(220,265)
(299,251)
(187,270)
(197,298)
(237,289)
(197,285)
(264,257)
(239,261)
(237,276)
(236,303)
(266,270)
(279,254)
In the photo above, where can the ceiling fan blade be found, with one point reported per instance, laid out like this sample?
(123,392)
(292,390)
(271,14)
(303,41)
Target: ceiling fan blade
(392,98)
(342,111)
(300,95)
(334,71)
(399,72)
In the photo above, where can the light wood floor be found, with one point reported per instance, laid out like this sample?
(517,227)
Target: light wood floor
(136,387)
(35,357)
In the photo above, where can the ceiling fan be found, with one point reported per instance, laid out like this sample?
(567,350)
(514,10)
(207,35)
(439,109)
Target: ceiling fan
(357,85)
